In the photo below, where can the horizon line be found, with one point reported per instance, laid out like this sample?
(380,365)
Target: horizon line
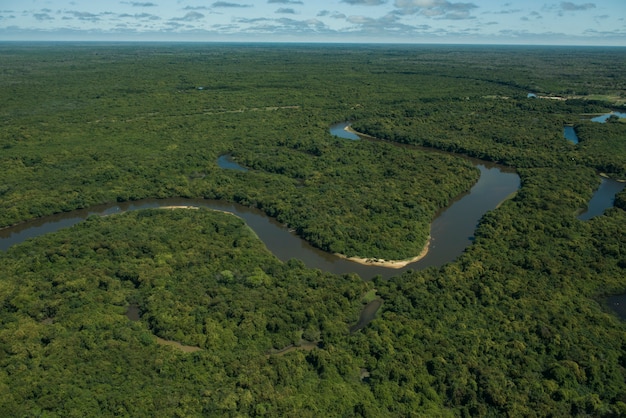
(300,42)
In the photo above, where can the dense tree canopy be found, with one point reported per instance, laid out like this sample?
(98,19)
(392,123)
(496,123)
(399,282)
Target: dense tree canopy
(186,313)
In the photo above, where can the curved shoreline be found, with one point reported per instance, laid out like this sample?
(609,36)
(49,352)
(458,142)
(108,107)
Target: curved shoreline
(394,264)
(450,233)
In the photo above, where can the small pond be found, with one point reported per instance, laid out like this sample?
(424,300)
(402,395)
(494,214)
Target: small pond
(367,315)
(602,199)
(570,134)
(226,162)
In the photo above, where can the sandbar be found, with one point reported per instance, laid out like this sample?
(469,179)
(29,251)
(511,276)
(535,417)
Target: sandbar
(395,264)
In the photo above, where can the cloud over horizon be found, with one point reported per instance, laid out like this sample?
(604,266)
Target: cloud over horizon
(473,21)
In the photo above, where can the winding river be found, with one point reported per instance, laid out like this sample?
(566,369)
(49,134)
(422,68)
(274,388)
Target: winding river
(604,196)
(570,133)
(451,231)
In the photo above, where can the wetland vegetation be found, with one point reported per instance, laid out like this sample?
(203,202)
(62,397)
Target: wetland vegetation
(520,324)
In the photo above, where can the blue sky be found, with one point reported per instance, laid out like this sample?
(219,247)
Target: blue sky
(586,22)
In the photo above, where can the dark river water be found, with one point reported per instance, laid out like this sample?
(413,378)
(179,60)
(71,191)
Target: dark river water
(602,199)
(452,230)
(604,196)
(618,304)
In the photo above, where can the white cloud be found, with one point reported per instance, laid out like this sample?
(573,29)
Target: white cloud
(442,9)
(455,21)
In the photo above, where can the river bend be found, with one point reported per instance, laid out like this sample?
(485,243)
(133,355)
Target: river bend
(451,232)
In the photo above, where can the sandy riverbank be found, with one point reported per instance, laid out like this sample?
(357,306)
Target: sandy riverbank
(179,207)
(348,128)
(395,264)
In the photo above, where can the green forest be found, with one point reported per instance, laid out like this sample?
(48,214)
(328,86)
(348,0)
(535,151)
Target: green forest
(183,312)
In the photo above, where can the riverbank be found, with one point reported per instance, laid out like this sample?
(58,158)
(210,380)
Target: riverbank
(349,128)
(179,207)
(606,176)
(394,264)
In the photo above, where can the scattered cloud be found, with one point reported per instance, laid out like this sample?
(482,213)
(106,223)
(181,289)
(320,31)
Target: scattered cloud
(84,16)
(612,33)
(334,15)
(568,6)
(360,20)
(441,9)
(336,20)
(285,1)
(139,16)
(189,17)
(226,4)
(42,17)
(140,4)
(364,2)
(508,11)
(253,20)
(287,26)
(286,10)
